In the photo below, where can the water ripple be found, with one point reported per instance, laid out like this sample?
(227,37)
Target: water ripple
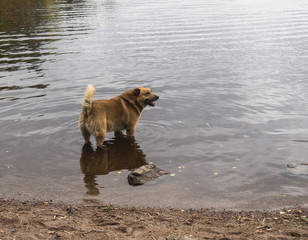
(231,75)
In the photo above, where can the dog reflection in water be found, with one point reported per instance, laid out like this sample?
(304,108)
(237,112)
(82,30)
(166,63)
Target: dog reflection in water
(119,153)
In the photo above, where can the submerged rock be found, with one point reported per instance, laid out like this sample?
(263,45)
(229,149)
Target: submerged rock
(298,169)
(144,174)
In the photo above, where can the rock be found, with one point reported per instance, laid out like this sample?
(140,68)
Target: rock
(298,169)
(144,174)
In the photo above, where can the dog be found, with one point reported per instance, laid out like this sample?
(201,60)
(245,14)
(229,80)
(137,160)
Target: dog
(116,114)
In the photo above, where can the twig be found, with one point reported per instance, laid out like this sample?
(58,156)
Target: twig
(153,237)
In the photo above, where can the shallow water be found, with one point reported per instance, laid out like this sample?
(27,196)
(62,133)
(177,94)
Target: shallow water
(232,80)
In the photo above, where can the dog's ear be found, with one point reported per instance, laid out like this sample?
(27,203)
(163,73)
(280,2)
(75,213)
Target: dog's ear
(136,91)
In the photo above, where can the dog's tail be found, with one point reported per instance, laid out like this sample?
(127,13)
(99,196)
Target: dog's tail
(87,99)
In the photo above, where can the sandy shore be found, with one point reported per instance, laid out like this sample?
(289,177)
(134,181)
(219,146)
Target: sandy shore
(94,220)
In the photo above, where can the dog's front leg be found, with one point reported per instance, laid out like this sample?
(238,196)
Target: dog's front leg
(130,132)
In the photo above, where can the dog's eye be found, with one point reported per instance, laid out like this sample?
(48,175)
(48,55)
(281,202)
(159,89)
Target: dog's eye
(147,93)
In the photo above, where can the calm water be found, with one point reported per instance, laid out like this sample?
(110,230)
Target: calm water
(232,77)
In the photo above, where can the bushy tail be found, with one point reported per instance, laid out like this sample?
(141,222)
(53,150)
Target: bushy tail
(87,99)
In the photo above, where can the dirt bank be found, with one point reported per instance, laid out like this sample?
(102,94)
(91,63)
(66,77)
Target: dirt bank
(94,220)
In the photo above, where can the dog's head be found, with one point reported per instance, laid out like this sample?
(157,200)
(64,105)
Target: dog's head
(145,96)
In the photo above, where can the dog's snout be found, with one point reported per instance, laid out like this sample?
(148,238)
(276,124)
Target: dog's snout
(156,97)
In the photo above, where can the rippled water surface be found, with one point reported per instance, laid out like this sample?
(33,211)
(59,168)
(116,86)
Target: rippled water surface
(232,77)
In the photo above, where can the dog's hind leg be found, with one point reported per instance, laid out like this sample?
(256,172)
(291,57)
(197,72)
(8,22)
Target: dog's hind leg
(85,133)
(100,137)
(118,134)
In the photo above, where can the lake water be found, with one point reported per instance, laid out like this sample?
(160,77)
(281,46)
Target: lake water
(232,77)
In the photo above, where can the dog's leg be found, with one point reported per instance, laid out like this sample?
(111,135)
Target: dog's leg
(85,133)
(130,131)
(100,137)
(118,134)
(81,123)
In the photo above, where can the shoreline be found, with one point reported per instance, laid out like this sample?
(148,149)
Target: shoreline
(95,220)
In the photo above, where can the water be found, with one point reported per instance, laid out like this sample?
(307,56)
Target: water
(232,80)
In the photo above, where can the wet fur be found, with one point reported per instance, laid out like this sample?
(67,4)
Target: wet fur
(122,112)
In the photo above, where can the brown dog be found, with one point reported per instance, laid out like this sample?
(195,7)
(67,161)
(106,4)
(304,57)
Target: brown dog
(116,114)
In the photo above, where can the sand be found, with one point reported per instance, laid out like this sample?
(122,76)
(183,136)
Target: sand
(95,220)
